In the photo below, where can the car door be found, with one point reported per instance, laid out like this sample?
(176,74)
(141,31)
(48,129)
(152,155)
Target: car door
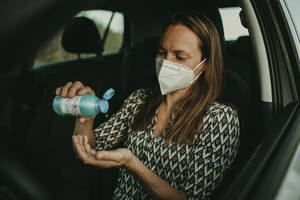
(273,170)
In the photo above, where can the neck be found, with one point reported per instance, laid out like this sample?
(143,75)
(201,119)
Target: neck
(171,99)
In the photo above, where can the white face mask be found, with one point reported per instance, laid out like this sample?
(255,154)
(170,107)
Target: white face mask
(173,76)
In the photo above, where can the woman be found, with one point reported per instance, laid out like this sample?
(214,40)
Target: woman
(178,141)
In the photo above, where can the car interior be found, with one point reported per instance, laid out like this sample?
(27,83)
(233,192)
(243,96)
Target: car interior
(41,140)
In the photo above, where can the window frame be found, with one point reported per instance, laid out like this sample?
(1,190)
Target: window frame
(88,56)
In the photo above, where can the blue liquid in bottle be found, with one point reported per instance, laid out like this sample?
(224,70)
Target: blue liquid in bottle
(82,106)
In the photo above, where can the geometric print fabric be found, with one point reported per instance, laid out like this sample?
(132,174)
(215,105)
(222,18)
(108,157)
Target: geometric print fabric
(195,168)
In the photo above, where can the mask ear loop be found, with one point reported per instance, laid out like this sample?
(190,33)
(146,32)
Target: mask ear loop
(200,72)
(199,64)
(197,76)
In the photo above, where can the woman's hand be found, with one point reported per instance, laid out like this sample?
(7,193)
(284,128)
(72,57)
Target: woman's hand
(104,159)
(153,184)
(71,89)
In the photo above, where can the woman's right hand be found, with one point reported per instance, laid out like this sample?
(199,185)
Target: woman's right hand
(71,89)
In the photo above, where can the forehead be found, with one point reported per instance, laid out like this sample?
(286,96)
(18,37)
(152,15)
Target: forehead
(180,37)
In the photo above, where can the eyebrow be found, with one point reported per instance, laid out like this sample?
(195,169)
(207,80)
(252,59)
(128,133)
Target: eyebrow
(176,51)
(182,51)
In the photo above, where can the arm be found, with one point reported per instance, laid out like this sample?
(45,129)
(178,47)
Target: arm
(153,184)
(85,128)
(108,133)
(113,131)
(214,155)
(207,165)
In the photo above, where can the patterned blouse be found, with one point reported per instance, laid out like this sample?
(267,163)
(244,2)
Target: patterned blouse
(195,168)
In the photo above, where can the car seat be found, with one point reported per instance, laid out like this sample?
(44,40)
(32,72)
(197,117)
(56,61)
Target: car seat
(74,43)
(49,143)
(138,71)
(239,58)
(137,65)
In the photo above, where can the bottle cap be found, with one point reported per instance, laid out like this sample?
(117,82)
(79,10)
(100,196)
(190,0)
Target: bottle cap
(108,94)
(103,105)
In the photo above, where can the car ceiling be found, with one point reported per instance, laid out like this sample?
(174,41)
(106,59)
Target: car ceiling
(26,24)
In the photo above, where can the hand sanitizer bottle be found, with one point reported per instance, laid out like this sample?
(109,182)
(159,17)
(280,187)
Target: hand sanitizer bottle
(82,106)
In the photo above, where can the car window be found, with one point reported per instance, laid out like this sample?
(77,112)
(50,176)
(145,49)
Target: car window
(52,50)
(293,6)
(291,12)
(233,28)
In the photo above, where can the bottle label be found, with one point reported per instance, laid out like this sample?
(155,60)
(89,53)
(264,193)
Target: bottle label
(70,106)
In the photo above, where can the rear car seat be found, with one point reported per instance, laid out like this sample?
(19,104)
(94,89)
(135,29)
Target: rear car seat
(240,59)
(49,143)
(84,28)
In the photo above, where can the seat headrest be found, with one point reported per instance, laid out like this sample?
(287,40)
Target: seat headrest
(214,15)
(236,92)
(212,12)
(242,46)
(81,36)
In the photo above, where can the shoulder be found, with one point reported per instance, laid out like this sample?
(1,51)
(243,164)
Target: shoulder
(221,120)
(217,108)
(139,94)
(220,115)
(137,97)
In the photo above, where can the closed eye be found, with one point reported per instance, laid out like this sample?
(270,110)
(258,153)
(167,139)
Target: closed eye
(180,58)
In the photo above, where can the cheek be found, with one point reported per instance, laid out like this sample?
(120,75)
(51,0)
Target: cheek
(192,63)
(195,61)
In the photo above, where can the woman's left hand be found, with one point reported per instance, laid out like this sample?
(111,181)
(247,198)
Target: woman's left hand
(104,159)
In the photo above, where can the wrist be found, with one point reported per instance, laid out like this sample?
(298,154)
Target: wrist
(131,163)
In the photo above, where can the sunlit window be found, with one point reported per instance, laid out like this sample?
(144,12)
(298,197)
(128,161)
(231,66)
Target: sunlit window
(233,28)
(52,50)
(101,18)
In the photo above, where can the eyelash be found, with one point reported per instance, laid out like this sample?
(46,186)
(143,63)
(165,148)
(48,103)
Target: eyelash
(179,58)
(161,52)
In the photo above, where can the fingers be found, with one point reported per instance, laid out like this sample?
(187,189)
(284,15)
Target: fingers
(103,159)
(121,157)
(86,90)
(83,144)
(83,155)
(93,152)
(75,87)
(58,91)
(112,155)
(105,164)
(76,142)
(86,145)
(65,89)
(89,159)
(72,89)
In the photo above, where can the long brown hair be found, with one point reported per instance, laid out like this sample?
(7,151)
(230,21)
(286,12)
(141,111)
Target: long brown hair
(192,107)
